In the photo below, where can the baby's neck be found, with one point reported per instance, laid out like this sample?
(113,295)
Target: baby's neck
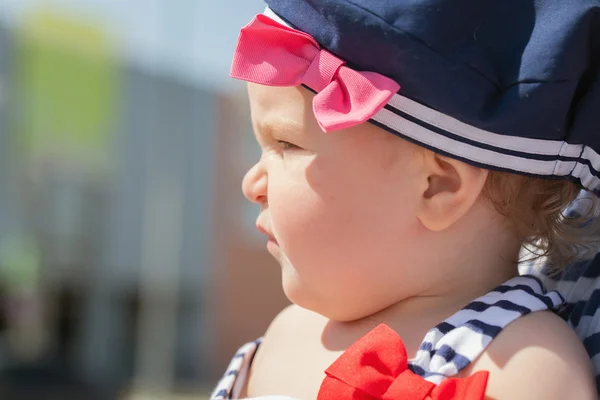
(474,262)
(411,318)
(463,263)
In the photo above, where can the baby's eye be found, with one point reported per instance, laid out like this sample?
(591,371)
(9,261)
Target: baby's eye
(286,145)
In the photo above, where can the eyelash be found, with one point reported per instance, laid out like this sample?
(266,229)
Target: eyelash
(286,145)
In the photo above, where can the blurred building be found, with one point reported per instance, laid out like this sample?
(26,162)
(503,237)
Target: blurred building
(127,241)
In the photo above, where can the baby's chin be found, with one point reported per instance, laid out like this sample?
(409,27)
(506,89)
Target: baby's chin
(292,286)
(338,308)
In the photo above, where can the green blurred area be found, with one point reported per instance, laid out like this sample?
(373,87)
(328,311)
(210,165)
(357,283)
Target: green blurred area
(66,75)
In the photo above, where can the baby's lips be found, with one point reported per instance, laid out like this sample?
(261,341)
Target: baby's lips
(264,231)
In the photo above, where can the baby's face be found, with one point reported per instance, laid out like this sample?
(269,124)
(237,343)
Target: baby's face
(339,207)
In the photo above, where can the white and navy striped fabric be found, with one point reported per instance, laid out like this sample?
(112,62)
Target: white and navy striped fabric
(455,343)
(450,346)
(236,374)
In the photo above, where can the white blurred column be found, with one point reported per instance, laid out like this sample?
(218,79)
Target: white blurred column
(162,227)
(159,283)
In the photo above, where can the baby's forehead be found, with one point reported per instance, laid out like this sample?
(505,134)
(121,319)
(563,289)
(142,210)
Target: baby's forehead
(265,97)
(280,107)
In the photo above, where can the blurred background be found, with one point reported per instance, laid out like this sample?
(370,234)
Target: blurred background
(129,262)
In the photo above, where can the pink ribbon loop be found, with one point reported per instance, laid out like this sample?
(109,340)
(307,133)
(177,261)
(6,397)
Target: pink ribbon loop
(322,71)
(271,54)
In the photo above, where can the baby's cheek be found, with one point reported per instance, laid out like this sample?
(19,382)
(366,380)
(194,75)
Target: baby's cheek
(296,225)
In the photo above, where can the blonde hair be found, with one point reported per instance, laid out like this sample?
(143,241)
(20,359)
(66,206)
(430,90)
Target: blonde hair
(535,208)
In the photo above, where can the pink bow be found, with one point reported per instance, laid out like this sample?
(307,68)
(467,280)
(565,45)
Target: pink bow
(271,54)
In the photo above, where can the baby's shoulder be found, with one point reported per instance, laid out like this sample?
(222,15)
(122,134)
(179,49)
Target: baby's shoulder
(291,349)
(292,325)
(537,356)
(292,318)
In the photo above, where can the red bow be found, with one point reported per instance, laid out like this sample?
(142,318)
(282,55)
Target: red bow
(272,54)
(376,367)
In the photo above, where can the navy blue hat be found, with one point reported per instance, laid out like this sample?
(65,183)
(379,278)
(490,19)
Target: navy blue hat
(510,85)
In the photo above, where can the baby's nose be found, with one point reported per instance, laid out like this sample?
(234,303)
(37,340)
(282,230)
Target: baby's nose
(254,184)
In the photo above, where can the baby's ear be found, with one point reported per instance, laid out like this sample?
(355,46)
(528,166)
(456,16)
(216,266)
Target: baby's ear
(452,189)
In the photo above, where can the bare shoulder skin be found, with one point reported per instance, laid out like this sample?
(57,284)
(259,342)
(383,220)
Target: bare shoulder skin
(538,356)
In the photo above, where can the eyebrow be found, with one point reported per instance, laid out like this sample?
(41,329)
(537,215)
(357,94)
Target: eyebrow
(271,125)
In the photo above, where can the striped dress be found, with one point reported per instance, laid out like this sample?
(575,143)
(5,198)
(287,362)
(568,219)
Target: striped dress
(447,348)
